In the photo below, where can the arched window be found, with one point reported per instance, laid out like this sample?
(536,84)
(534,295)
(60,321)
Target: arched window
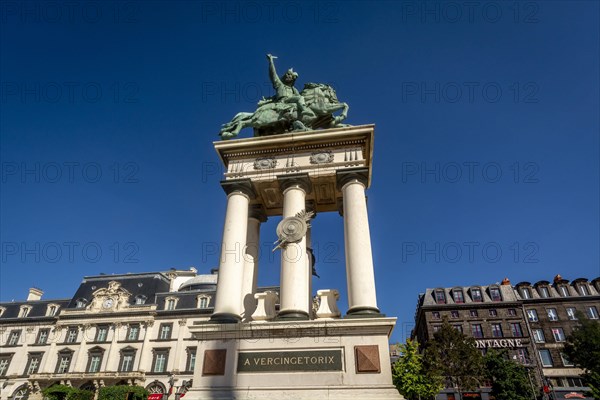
(156,387)
(22,393)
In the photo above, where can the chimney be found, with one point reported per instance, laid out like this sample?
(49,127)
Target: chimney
(506,281)
(35,294)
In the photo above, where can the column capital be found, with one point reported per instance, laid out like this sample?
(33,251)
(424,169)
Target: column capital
(257,211)
(343,176)
(302,180)
(239,185)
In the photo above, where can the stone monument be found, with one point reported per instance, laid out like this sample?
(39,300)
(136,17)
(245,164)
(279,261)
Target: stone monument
(301,161)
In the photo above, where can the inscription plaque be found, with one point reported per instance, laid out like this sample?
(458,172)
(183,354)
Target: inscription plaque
(285,361)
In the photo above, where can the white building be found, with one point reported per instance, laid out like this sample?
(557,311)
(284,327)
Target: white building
(116,329)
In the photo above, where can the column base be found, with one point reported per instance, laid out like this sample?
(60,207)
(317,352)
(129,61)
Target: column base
(292,315)
(225,318)
(364,312)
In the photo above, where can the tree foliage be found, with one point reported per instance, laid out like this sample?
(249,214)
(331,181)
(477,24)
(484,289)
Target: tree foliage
(122,392)
(411,378)
(57,392)
(583,349)
(65,392)
(509,379)
(454,356)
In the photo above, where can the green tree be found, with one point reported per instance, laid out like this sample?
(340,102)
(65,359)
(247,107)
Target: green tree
(122,392)
(454,357)
(583,349)
(65,392)
(57,392)
(510,380)
(410,375)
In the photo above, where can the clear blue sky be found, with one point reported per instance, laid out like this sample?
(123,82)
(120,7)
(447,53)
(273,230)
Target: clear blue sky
(486,157)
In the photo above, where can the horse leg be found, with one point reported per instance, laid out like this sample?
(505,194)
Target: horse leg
(233,128)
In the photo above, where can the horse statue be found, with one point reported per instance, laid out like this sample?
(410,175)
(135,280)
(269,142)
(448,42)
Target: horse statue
(272,117)
(288,110)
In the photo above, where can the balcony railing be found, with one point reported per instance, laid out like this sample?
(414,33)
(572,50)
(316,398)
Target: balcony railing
(88,375)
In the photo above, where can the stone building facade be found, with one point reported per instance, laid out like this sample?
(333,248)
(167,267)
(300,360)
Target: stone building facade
(530,321)
(115,329)
(552,310)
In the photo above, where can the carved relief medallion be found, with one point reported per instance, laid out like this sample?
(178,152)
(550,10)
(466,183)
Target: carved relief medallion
(265,163)
(321,157)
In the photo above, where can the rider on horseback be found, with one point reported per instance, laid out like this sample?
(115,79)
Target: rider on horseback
(285,90)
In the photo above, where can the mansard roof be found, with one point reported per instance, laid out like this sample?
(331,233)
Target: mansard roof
(506,292)
(144,284)
(39,308)
(553,288)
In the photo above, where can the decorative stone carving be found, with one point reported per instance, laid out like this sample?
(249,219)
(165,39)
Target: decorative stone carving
(328,304)
(112,298)
(265,163)
(321,157)
(265,308)
(367,359)
(293,229)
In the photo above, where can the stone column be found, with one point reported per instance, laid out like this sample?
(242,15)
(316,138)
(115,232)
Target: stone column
(256,216)
(228,302)
(295,288)
(360,275)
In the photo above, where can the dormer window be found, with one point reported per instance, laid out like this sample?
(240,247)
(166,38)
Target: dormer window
(583,289)
(495,293)
(24,311)
(140,299)
(203,301)
(544,292)
(458,296)
(81,303)
(51,310)
(525,293)
(440,296)
(563,290)
(476,295)
(170,303)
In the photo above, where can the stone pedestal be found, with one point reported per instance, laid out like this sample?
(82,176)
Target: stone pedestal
(335,359)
